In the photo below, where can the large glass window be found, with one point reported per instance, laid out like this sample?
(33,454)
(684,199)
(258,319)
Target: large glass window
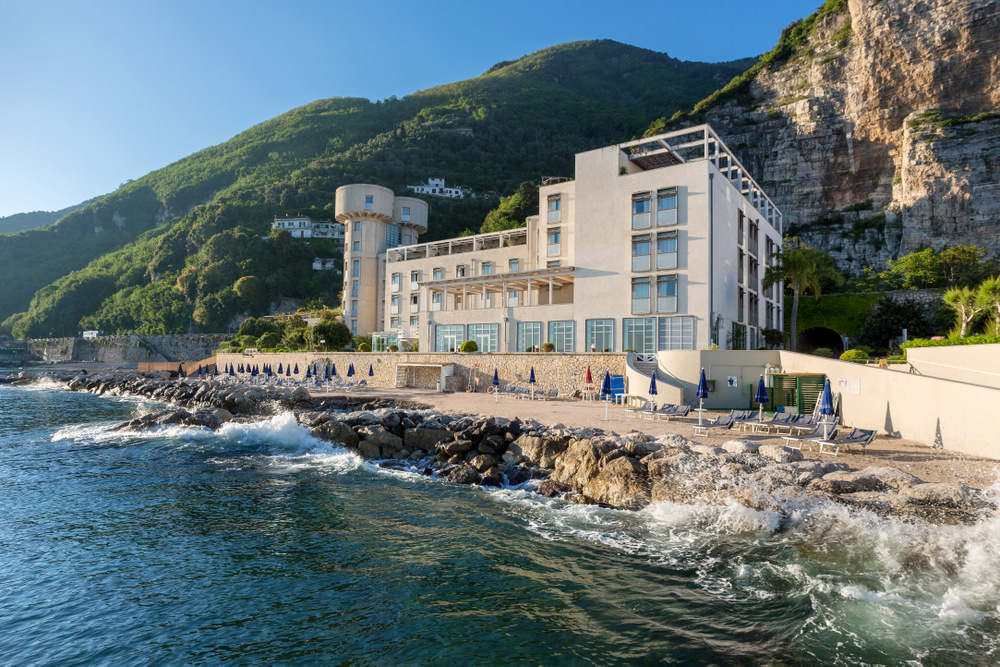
(666,207)
(639,334)
(513,265)
(666,250)
(393,235)
(356,268)
(357,226)
(447,337)
(394,323)
(487,268)
(369,202)
(485,335)
(438,273)
(740,263)
(414,323)
(404,214)
(354,288)
(640,253)
(752,238)
(600,335)
(740,305)
(555,208)
(529,336)
(666,294)
(640,211)
(555,238)
(460,271)
(356,246)
(676,333)
(414,280)
(561,334)
(354,308)
(640,295)
(739,227)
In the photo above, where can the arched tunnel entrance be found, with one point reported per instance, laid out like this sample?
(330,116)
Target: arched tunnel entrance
(817,337)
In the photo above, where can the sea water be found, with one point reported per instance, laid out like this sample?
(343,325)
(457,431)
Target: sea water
(259,543)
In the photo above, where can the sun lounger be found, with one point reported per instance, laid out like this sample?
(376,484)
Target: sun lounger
(667,411)
(781,419)
(719,422)
(648,406)
(796,441)
(857,436)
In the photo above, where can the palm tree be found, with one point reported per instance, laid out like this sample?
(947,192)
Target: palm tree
(988,298)
(964,302)
(802,269)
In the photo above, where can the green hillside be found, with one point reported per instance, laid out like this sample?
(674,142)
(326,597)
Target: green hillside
(18,222)
(182,249)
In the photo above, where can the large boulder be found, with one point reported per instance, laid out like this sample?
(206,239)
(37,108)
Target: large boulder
(482,462)
(892,478)
(463,474)
(455,448)
(579,463)
(741,447)
(780,453)
(541,450)
(945,494)
(388,442)
(338,432)
(426,439)
(622,483)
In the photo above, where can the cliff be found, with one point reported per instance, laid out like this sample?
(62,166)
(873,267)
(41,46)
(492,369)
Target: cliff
(886,109)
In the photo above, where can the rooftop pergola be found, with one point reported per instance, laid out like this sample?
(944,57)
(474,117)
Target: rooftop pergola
(462,244)
(502,283)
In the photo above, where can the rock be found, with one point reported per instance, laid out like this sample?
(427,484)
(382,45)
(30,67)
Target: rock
(893,478)
(387,441)
(482,462)
(391,419)
(946,494)
(707,450)
(880,503)
(517,475)
(780,453)
(456,447)
(492,477)
(741,447)
(623,483)
(540,450)
(425,438)
(579,463)
(463,474)
(370,450)
(338,432)
(550,488)
(611,456)
(510,458)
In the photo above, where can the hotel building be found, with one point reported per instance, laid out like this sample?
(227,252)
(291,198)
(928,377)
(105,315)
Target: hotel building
(657,244)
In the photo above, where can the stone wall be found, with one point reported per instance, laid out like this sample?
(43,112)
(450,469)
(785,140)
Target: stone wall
(564,372)
(126,349)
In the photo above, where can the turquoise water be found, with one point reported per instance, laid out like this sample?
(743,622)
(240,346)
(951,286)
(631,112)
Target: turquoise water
(261,544)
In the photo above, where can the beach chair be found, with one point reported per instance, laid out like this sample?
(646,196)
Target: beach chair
(720,422)
(857,436)
(651,414)
(648,406)
(678,411)
(796,441)
(780,419)
(745,418)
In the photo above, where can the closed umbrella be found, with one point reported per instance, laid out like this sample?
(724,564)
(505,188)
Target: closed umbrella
(296,371)
(760,397)
(309,372)
(326,373)
(496,385)
(826,406)
(333,370)
(288,371)
(180,370)
(281,368)
(350,370)
(531,381)
(702,394)
(371,371)
(652,385)
(606,393)
(589,379)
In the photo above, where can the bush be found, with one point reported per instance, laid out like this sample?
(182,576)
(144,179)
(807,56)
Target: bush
(364,347)
(854,355)
(823,352)
(548,347)
(393,348)
(269,340)
(468,346)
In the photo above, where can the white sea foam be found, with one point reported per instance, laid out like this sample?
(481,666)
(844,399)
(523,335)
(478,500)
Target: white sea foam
(44,384)
(287,445)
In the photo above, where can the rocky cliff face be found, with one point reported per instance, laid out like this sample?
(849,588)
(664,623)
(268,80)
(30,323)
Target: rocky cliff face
(888,111)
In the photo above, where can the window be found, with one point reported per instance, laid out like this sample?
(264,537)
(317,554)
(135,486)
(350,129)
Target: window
(354,308)
(512,299)
(555,208)
(394,281)
(555,238)
(752,240)
(487,268)
(394,308)
(666,250)
(739,268)
(640,211)
(768,315)
(485,335)
(739,227)
(639,334)
(447,337)
(438,273)
(435,300)
(414,322)
(553,264)
(640,253)
(529,336)
(640,295)
(357,226)
(354,288)
(738,338)
(600,336)
(404,214)
(393,235)
(752,277)
(414,280)
(754,311)
(356,268)
(561,334)
(666,207)
(666,294)
(414,303)
(739,305)
(677,333)
(369,202)
(356,246)
(512,265)
(354,327)
(394,323)
(460,271)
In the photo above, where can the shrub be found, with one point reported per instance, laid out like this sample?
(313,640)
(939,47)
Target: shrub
(823,352)
(854,355)
(269,340)
(393,348)
(548,347)
(468,346)
(364,347)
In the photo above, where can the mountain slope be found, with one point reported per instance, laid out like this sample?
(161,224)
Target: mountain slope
(19,222)
(161,253)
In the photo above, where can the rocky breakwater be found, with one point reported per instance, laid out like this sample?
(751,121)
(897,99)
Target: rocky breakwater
(631,471)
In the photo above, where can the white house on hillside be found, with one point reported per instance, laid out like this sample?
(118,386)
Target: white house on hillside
(436,187)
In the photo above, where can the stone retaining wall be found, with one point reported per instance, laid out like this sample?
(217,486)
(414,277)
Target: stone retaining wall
(564,372)
(127,349)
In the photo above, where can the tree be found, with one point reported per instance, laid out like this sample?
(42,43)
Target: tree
(918,270)
(963,301)
(336,334)
(512,211)
(890,315)
(802,269)
(253,293)
(988,298)
(964,265)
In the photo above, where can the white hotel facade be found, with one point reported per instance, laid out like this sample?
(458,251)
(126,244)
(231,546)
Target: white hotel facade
(657,244)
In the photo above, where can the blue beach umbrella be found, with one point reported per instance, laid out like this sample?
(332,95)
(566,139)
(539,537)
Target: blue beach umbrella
(531,381)
(496,385)
(232,371)
(350,370)
(296,371)
(215,371)
(826,405)
(606,393)
(760,397)
(288,371)
(333,370)
(326,372)
(309,372)
(652,385)
(702,394)
(280,368)
(180,370)
(371,371)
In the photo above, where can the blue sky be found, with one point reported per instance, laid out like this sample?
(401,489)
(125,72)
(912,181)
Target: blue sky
(95,93)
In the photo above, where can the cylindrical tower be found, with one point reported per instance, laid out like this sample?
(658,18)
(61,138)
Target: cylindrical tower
(374,220)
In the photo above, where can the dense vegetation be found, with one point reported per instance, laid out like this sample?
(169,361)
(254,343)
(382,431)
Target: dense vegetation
(167,252)
(19,222)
